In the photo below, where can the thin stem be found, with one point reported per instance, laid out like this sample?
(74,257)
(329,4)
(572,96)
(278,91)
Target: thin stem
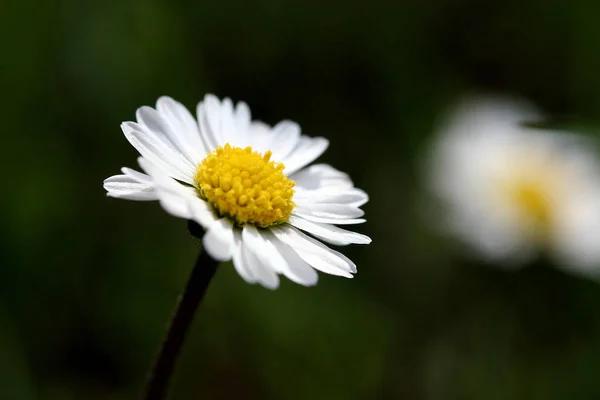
(187,303)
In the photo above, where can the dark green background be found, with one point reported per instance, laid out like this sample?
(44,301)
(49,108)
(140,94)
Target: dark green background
(87,283)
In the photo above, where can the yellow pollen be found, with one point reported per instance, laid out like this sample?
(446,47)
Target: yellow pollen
(245,186)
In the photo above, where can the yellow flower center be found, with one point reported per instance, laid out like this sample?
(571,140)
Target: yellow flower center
(245,186)
(532,190)
(534,202)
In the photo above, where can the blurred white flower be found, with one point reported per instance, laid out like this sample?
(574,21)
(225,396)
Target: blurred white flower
(248,185)
(513,191)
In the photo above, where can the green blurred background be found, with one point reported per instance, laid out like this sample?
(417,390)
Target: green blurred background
(87,283)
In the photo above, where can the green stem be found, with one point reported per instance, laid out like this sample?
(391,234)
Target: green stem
(160,374)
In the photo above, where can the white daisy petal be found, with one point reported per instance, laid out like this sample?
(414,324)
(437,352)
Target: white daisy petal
(321,176)
(218,240)
(131,126)
(162,179)
(138,176)
(286,135)
(307,150)
(198,210)
(164,157)
(264,275)
(341,211)
(209,119)
(181,122)
(350,196)
(334,242)
(278,257)
(168,131)
(129,188)
(329,232)
(259,137)
(201,212)
(242,118)
(229,132)
(239,262)
(338,258)
(323,220)
(315,253)
(174,205)
(169,193)
(297,270)
(321,264)
(260,247)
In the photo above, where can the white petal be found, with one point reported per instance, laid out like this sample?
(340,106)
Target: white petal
(131,126)
(229,132)
(158,153)
(297,270)
(184,125)
(265,275)
(202,212)
(315,253)
(334,242)
(329,232)
(307,150)
(138,176)
(286,135)
(253,238)
(174,205)
(238,261)
(171,195)
(152,123)
(321,264)
(321,176)
(351,196)
(323,220)
(259,136)
(218,240)
(199,210)
(242,117)
(263,244)
(129,188)
(209,118)
(577,226)
(340,211)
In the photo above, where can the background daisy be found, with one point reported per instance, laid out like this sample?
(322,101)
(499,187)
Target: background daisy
(512,191)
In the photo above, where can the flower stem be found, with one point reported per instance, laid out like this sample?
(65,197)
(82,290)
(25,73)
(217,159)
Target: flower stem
(187,303)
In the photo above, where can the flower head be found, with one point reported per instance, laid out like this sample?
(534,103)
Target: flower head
(512,190)
(248,185)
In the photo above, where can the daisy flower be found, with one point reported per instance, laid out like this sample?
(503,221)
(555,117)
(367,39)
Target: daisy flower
(511,191)
(248,185)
